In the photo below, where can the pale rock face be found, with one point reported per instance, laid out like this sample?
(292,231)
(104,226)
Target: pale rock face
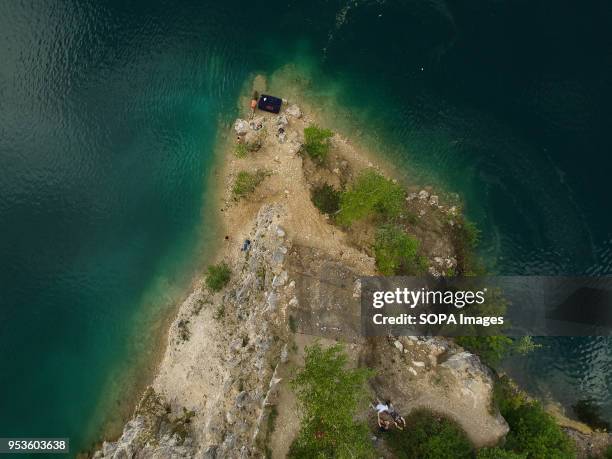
(281,121)
(423,195)
(241,127)
(294,110)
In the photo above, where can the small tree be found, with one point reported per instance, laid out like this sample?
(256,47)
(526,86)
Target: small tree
(533,432)
(316,142)
(218,276)
(491,349)
(326,198)
(328,395)
(370,194)
(397,252)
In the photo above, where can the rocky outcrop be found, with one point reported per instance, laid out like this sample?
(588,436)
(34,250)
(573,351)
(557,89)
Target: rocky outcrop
(232,421)
(436,374)
(152,433)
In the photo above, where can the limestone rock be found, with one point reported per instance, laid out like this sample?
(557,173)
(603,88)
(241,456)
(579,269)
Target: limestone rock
(241,127)
(281,121)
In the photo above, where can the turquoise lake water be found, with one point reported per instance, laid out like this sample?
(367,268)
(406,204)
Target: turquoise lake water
(109,116)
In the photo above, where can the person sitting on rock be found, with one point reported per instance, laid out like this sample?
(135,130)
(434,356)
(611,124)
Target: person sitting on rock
(383,416)
(387,415)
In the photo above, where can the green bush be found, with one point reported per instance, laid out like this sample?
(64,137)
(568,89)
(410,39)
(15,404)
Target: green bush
(533,432)
(490,343)
(218,276)
(371,194)
(326,198)
(316,142)
(465,239)
(491,349)
(328,396)
(241,150)
(607,454)
(429,436)
(246,182)
(498,453)
(396,252)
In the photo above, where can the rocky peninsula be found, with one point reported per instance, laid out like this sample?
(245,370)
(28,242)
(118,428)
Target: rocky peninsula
(222,389)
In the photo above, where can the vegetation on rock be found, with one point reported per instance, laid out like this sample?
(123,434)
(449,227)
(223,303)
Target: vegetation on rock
(490,349)
(217,276)
(371,194)
(246,182)
(429,436)
(329,395)
(466,238)
(397,252)
(326,198)
(533,432)
(241,150)
(317,142)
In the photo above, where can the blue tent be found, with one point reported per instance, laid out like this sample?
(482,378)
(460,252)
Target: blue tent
(269,103)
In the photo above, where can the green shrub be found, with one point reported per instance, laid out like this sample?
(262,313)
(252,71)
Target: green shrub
(326,198)
(607,454)
(471,234)
(370,194)
(241,150)
(498,453)
(246,182)
(465,239)
(316,142)
(328,396)
(490,343)
(397,252)
(218,276)
(491,349)
(533,432)
(429,436)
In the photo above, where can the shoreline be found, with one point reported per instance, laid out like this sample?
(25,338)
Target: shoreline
(135,384)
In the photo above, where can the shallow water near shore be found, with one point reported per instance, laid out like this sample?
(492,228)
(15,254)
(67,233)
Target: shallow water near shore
(110,117)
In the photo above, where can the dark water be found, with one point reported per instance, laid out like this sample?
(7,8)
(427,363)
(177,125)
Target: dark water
(108,118)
